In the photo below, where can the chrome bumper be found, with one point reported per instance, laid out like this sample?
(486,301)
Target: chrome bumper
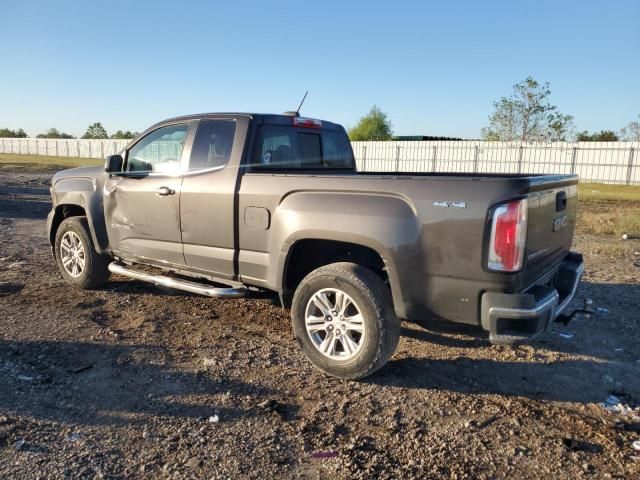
(515,318)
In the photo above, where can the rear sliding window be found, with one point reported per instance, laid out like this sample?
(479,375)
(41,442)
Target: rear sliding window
(287,148)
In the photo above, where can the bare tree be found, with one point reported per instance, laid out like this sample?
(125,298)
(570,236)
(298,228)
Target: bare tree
(527,115)
(631,132)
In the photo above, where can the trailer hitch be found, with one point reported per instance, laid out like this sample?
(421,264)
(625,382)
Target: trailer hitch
(587,311)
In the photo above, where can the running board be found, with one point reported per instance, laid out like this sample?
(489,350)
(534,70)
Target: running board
(177,283)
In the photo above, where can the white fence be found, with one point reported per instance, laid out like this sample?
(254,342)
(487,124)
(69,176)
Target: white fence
(62,147)
(605,162)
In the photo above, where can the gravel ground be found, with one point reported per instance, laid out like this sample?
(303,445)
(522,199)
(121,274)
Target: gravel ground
(132,381)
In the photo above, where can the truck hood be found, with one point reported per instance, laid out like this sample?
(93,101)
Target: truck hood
(85,172)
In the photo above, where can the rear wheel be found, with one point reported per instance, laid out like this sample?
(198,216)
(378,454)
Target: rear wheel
(77,259)
(343,320)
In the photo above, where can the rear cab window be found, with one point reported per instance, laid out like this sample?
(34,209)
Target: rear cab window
(288,147)
(212,144)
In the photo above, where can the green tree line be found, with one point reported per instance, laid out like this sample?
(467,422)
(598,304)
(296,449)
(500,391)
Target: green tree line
(94,131)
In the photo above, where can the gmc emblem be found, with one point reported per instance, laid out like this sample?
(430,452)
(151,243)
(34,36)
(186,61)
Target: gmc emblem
(559,223)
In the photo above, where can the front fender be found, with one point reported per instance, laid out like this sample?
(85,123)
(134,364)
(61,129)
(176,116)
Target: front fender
(85,193)
(383,222)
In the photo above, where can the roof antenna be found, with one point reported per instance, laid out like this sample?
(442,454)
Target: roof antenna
(301,102)
(297,112)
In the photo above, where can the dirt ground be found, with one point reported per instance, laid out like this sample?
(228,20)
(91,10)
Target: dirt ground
(132,381)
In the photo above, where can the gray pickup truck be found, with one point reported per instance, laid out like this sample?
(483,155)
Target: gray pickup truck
(218,203)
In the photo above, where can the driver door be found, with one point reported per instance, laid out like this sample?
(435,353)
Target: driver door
(142,203)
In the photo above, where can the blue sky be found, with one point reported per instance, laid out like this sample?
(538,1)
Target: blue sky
(435,67)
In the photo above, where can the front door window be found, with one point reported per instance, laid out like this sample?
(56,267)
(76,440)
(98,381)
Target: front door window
(160,151)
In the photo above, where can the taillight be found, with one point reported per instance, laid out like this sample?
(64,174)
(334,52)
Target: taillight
(508,236)
(306,122)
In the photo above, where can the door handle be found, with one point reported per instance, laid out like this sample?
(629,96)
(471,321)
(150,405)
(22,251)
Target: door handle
(164,191)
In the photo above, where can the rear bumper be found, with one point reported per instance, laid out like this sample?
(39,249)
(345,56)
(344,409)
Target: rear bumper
(518,317)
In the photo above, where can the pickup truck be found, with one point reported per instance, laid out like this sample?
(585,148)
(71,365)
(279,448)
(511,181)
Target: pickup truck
(216,204)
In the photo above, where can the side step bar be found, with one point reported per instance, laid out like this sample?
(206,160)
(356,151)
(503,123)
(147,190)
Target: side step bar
(178,283)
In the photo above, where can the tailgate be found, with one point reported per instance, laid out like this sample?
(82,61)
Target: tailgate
(550,226)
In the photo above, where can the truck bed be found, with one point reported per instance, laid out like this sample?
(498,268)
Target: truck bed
(433,228)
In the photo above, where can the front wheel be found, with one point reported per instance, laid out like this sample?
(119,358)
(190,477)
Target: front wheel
(77,259)
(343,320)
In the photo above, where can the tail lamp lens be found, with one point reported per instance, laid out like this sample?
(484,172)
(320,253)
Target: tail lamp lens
(508,236)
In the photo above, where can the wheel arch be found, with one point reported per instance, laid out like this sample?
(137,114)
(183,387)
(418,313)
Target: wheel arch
(77,205)
(304,254)
(60,213)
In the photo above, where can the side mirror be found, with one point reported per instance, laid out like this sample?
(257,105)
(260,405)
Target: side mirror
(113,163)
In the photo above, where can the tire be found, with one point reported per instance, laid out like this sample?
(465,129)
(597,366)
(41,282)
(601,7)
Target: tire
(94,271)
(367,294)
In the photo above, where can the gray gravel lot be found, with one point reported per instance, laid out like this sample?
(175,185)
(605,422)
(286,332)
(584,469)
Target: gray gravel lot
(132,381)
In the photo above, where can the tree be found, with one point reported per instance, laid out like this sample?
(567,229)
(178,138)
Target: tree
(54,133)
(7,133)
(95,130)
(375,125)
(124,135)
(631,132)
(527,115)
(561,127)
(601,136)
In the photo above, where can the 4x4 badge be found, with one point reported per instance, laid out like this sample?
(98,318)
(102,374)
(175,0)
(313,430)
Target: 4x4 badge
(443,203)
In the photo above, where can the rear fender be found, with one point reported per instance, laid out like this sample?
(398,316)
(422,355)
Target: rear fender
(382,222)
